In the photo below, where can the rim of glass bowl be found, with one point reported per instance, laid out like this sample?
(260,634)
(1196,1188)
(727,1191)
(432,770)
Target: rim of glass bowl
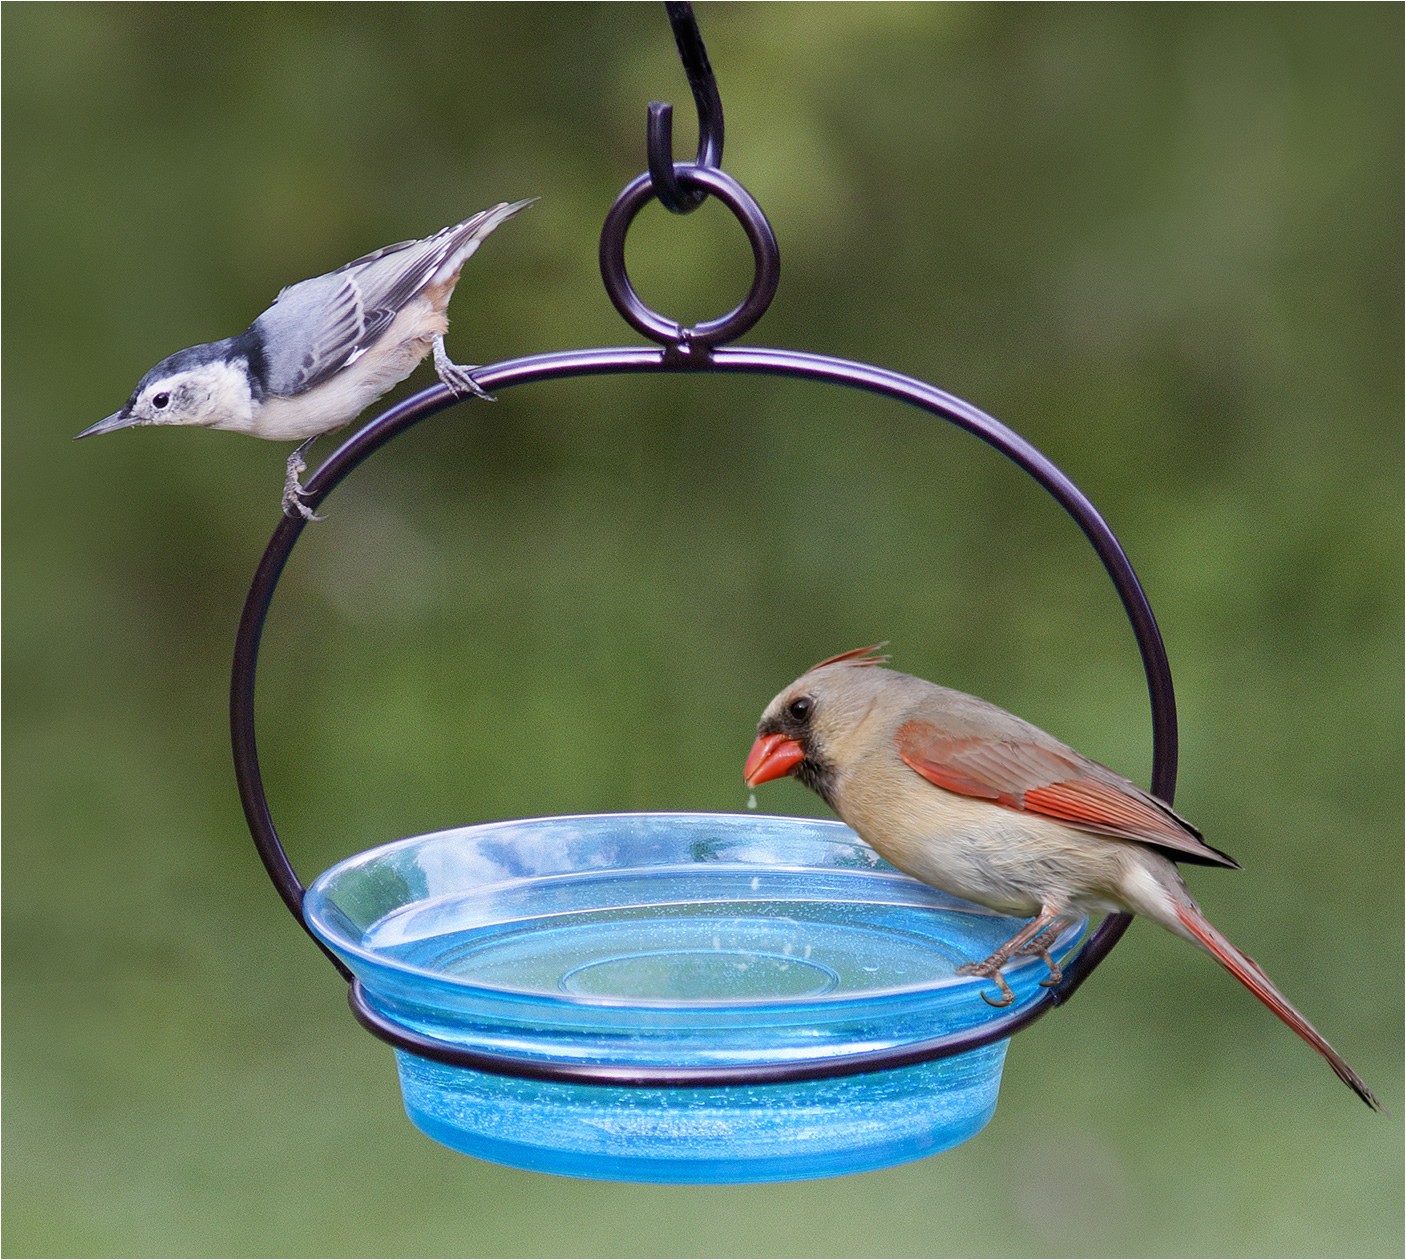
(318,900)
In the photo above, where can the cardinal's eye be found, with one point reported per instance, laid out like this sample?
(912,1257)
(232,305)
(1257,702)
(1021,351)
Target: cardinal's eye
(800,710)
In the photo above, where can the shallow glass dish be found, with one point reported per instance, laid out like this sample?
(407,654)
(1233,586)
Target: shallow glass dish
(673,941)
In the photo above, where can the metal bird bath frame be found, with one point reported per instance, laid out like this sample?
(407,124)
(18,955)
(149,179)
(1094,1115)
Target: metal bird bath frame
(702,348)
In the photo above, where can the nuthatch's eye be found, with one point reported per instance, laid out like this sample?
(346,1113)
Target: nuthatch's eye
(160,401)
(799,710)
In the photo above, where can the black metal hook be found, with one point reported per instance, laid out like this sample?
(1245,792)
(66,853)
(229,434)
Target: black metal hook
(659,126)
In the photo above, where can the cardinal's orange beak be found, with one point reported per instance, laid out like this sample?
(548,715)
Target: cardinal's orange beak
(772,757)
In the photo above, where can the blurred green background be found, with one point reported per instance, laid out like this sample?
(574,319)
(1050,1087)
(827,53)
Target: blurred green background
(1163,242)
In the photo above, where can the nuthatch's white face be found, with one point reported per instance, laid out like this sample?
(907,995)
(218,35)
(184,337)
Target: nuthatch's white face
(200,386)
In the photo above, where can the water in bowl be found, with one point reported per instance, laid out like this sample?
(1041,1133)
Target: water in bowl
(679,937)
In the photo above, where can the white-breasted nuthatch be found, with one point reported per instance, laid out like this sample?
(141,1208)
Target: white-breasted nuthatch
(323,352)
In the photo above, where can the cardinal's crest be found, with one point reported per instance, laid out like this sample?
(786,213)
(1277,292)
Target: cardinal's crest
(857,656)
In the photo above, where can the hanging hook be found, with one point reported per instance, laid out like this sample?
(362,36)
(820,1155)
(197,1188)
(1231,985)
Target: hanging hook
(659,127)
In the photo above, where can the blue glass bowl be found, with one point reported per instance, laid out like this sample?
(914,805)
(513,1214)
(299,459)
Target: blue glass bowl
(677,941)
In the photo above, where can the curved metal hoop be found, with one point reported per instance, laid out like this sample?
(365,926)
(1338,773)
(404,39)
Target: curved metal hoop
(634,361)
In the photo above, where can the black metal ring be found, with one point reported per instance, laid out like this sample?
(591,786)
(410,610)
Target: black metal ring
(639,360)
(667,332)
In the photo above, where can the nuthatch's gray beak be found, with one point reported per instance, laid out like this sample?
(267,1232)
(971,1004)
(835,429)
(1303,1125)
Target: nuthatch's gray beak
(118,420)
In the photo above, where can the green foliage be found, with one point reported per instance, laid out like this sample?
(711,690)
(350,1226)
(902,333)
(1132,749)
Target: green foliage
(1163,242)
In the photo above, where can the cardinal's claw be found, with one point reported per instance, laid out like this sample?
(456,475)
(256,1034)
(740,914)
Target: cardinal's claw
(1056,972)
(1006,998)
(991,970)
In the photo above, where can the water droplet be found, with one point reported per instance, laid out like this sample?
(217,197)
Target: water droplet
(751,800)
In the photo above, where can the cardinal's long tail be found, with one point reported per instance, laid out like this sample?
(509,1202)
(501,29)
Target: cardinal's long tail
(1247,971)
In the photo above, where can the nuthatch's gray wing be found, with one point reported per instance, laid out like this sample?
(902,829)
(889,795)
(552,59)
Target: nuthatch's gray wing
(317,327)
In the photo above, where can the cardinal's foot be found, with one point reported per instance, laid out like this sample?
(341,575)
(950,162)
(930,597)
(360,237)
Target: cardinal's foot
(991,970)
(1038,946)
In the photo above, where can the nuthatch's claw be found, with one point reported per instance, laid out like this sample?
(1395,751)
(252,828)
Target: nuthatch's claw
(458,377)
(293,504)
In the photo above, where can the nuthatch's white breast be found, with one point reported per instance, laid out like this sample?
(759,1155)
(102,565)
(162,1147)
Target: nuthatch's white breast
(324,351)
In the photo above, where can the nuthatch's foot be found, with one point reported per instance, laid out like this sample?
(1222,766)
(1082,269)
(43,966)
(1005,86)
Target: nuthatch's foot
(293,504)
(457,376)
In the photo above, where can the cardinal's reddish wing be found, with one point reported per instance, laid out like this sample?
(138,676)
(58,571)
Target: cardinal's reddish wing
(1053,782)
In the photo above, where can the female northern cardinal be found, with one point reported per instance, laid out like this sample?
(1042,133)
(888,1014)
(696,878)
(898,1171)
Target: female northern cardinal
(981,804)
